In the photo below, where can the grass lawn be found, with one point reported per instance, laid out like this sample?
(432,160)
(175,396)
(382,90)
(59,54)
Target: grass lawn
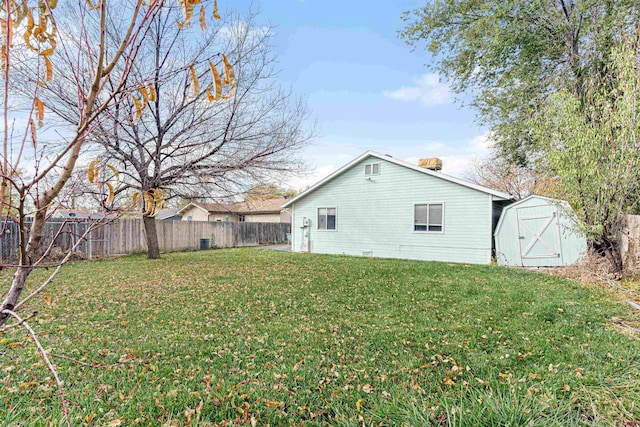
(249,336)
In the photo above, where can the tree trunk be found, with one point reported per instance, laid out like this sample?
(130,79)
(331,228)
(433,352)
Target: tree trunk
(28,250)
(611,252)
(153,247)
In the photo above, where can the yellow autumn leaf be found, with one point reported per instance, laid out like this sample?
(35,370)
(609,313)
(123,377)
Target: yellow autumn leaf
(194,81)
(51,49)
(187,12)
(90,417)
(48,76)
(216,12)
(145,95)
(39,111)
(203,20)
(135,200)
(92,172)
(449,381)
(158,199)
(152,92)
(116,174)
(229,77)
(47,298)
(111,195)
(138,112)
(358,405)
(228,71)
(148,201)
(216,81)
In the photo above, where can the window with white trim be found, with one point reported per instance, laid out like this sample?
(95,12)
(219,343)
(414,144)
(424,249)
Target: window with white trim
(372,169)
(327,218)
(428,217)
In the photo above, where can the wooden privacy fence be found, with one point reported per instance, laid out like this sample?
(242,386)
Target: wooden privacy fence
(127,236)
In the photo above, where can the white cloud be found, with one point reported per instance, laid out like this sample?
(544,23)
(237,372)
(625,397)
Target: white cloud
(458,160)
(481,144)
(238,30)
(428,89)
(305,181)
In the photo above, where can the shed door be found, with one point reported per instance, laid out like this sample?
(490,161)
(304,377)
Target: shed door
(538,236)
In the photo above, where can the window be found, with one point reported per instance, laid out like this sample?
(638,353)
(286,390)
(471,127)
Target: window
(241,218)
(372,169)
(189,217)
(326,218)
(428,217)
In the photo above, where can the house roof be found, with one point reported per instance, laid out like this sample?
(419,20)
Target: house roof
(79,214)
(498,194)
(241,208)
(167,213)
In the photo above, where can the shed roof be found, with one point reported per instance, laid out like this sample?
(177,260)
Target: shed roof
(497,194)
(549,200)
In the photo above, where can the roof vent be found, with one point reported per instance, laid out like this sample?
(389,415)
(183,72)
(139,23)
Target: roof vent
(433,163)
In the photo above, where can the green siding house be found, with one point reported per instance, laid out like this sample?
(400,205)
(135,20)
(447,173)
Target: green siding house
(380,206)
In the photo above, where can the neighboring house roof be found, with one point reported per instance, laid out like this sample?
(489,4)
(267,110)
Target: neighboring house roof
(79,214)
(167,213)
(240,208)
(498,194)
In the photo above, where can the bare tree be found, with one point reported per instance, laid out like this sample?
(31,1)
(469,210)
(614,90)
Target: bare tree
(34,39)
(209,129)
(44,45)
(517,181)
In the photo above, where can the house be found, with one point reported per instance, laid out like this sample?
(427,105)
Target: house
(269,210)
(538,232)
(380,206)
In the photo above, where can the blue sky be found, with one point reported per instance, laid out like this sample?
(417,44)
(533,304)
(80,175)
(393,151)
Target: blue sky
(366,89)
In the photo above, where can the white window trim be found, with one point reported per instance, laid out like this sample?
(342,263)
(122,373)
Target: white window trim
(432,202)
(318,222)
(371,164)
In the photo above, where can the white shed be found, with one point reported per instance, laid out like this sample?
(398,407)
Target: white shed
(538,232)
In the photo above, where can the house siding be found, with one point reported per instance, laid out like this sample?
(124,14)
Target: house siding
(375,217)
(196,214)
